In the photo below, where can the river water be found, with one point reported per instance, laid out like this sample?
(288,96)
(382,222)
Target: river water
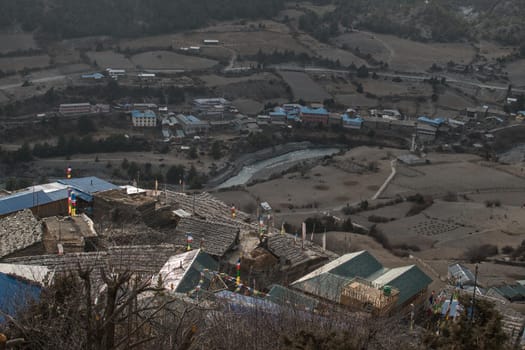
(248,172)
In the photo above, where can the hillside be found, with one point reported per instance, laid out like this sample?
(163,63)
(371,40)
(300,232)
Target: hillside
(438,20)
(77,18)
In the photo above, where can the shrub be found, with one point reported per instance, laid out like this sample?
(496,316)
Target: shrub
(380,238)
(450,197)
(481,252)
(378,219)
(507,249)
(420,204)
(489,203)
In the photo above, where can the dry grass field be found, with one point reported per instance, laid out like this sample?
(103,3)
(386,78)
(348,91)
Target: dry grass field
(367,43)
(15,42)
(19,63)
(110,59)
(303,87)
(171,60)
(244,43)
(440,178)
(216,80)
(355,100)
(346,58)
(248,106)
(381,87)
(406,55)
(246,26)
(516,72)
(492,51)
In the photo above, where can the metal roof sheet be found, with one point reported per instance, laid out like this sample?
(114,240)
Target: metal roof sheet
(89,185)
(23,200)
(288,297)
(409,280)
(15,293)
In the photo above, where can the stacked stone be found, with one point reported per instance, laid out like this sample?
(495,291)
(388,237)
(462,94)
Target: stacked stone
(19,231)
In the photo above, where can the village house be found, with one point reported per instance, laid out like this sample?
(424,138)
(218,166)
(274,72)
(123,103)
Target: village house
(192,125)
(314,116)
(69,234)
(358,281)
(143,119)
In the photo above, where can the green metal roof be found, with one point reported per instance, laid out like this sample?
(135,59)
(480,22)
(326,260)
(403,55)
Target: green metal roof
(287,297)
(363,265)
(409,280)
(327,286)
(193,275)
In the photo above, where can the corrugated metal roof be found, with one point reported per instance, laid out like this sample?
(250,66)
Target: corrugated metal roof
(242,303)
(288,297)
(89,185)
(16,293)
(461,274)
(361,264)
(314,111)
(409,280)
(35,273)
(326,286)
(23,200)
(146,114)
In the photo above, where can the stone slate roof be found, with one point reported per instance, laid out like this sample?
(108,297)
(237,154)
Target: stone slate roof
(206,206)
(182,273)
(217,238)
(286,247)
(19,231)
(139,259)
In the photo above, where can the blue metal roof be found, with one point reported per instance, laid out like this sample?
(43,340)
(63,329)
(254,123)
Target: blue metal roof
(93,76)
(281,113)
(348,120)
(436,121)
(314,111)
(16,293)
(89,185)
(146,114)
(23,200)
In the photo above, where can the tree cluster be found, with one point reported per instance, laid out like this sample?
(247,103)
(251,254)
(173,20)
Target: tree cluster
(85,145)
(77,18)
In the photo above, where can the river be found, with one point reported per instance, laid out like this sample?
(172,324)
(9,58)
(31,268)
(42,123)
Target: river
(248,172)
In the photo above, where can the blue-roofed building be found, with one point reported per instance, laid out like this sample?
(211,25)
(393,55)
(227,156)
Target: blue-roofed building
(51,199)
(146,118)
(431,121)
(94,76)
(20,285)
(351,122)
(314,116)
(192,125)
(278,115)
(85,187)
(40,202)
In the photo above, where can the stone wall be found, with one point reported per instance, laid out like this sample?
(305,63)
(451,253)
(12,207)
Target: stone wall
(19,231)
